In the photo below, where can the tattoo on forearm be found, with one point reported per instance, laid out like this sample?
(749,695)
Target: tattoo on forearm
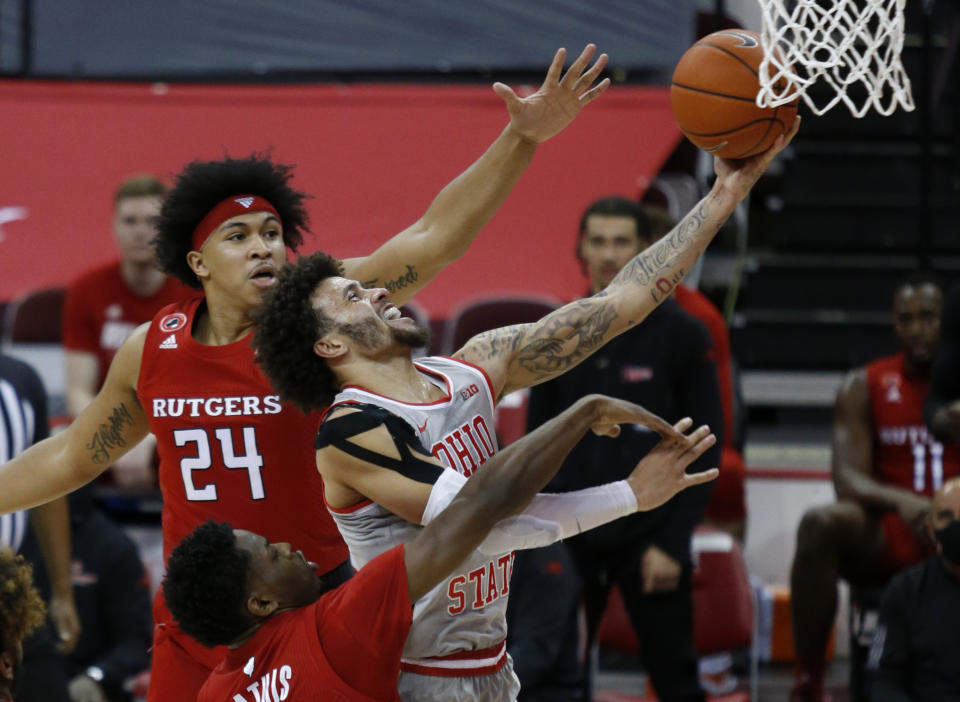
(398,283)
(649,267)
(110,435)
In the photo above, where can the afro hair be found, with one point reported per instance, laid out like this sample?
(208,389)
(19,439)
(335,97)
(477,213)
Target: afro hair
(21,609)
(288,326)
(206,585)
(202,185)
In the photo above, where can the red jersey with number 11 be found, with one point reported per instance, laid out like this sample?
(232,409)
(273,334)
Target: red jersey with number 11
(905,453)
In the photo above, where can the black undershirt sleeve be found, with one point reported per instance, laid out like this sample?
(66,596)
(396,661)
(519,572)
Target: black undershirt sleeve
(337,431)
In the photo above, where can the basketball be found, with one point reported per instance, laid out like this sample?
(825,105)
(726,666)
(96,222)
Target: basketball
(713,95)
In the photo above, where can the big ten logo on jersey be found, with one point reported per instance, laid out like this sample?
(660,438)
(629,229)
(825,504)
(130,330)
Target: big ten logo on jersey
(467,447)
(480,586)
(469,392)
(272,687)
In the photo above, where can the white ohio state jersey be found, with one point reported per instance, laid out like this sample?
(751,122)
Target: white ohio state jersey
(466,611)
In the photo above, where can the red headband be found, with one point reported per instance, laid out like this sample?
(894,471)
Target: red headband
(231,207)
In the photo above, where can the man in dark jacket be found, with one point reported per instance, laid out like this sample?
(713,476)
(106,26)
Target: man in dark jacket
(665,364)
(916,653)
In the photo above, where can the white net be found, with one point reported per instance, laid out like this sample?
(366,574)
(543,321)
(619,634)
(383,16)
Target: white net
(832,51)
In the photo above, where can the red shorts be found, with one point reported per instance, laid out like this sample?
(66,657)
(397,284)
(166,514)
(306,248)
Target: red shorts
(904,549)
(727,503)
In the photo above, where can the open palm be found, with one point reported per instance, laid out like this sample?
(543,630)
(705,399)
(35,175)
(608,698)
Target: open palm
(539,116)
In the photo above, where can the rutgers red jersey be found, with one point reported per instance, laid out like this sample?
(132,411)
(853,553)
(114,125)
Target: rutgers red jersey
(905,454)
(344,647)
(229,449)
(100,312)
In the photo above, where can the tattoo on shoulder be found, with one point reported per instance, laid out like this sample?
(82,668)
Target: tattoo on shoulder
(110,435)
(496,342)
(566,337)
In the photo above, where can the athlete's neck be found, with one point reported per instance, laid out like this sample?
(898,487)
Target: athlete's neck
(394,377)
(220,322)
(143,279)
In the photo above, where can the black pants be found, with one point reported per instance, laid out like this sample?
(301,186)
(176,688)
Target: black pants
(663,621)
(44,669)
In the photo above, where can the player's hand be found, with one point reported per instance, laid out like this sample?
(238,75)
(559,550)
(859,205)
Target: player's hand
(662,473)
(659,571)
(611,412)
(738,176)
(63,614)
(914,510)
(84,689)
(539,116)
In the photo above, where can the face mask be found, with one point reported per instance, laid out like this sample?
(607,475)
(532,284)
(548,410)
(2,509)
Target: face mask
(949,538)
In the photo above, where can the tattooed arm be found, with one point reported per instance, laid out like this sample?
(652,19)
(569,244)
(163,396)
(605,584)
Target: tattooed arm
(109,426)
(528,354)
(412,258)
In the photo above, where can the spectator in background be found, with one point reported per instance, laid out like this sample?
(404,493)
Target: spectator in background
(543,625)
(916,653)
(23,422)
(942,408)
(113,600)
(21,611)
(886,466)
(665,364)
(727,508)
(104,305)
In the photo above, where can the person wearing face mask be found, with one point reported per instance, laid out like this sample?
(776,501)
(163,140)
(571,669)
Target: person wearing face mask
(915,656)
(21,611)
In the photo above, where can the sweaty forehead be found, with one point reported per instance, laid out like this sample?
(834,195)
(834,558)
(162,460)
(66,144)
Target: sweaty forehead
(248,541)
(923,295)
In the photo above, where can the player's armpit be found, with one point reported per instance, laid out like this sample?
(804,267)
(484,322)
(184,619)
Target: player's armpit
(365,452)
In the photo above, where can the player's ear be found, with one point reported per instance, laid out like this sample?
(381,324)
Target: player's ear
(261,606)
(199,268)
(327,347)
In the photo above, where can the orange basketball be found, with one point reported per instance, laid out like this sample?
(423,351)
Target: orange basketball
(713,95)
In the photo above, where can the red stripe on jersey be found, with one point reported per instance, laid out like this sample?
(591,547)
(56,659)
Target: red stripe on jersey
(420,368)
(454,668)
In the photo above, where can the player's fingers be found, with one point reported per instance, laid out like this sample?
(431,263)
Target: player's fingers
(553,73)
(595,92)
(691,479)
(576,68)
(702,441)
(506,93)
(586,80)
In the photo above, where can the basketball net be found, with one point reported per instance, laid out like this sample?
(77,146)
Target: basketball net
(849,48)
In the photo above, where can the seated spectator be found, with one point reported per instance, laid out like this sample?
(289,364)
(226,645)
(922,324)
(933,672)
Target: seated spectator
(886,467)
(21,611)
(666,365)
(113,600)
(543,616)
(915,655)
(104,305)
(727,508)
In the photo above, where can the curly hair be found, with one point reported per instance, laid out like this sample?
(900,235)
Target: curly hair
(21,609)
(202,185)
(206,585)
(288,326)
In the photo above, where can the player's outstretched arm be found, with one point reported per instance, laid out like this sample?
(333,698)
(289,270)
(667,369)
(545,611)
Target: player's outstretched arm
(412,258)
(105,430)
(506,484)
(527,354)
